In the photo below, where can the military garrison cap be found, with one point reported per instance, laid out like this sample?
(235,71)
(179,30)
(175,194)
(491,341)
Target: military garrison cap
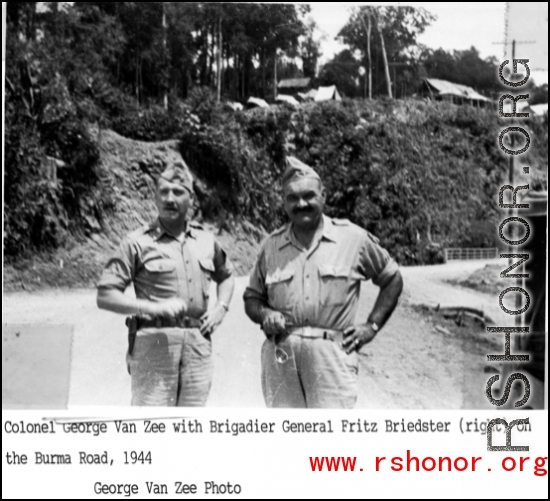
(179,173)
(296,170)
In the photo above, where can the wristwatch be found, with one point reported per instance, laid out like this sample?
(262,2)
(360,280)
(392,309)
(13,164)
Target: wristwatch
(374,326)
(225,307)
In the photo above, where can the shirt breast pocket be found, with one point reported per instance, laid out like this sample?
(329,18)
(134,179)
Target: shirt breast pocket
(334,284)
(279,289)
(160,274)
(207,269)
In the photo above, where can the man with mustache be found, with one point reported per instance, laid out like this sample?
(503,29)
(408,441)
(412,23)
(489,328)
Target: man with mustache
(304,290)
(171,263)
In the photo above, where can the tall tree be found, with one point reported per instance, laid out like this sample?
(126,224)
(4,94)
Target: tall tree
(310,50)
(368,29)
(341,71)
(398,29)
(219,62)
(23,12)
(380,24)
(465,67)
(165,55)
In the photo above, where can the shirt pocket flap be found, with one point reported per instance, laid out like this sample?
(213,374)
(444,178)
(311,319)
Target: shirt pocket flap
(161,265)
(279,276)
(330,270)
(207,264)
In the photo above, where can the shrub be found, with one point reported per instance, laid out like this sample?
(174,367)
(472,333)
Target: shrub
(420,176)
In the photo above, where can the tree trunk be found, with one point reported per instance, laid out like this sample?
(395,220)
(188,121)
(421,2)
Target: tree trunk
(262,62)
(243,78)
(385,61)
(369,58)
(275,75)
(165,56)
(368,28)
(55,15)
(236,77)
(203,70)
(141,80)
(137,80)
(220,60)
(31,19)
(186,80)
(226,81)
(13,12)
(211,49)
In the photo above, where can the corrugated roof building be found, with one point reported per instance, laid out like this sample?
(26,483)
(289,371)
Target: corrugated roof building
(298,84)
(453,92)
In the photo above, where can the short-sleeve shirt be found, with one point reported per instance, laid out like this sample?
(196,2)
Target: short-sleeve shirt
(320,286)
(162,266)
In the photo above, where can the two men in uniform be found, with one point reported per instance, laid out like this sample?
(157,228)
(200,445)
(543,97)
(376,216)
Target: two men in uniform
(303,291)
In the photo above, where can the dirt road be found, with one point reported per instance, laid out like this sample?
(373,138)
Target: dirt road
(410,365)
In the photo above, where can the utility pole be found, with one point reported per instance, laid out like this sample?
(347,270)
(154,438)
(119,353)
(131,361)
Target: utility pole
(512,142)
(511,164)
(511,175)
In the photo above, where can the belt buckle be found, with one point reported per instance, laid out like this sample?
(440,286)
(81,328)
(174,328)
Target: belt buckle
(158,322)
(186,322)
(306,331)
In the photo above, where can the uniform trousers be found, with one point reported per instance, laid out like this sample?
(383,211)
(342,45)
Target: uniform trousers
(171,367)
(311,372)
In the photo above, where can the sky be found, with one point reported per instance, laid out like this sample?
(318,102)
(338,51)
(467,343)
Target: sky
(459,25)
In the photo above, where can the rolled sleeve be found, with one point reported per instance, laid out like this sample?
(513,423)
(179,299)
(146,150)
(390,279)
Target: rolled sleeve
(376,263)
(387,274)
(120,269)
(222,264)
(256,286)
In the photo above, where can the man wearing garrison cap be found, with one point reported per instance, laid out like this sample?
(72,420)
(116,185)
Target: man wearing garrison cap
(171,263)
(304,292)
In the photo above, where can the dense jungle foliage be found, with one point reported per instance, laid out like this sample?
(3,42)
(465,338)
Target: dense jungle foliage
(420,175)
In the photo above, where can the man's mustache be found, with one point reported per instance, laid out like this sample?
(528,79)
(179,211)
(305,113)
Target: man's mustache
(300,211)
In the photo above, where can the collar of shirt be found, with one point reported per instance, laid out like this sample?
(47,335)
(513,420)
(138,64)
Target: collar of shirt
(157,230)
(328,234)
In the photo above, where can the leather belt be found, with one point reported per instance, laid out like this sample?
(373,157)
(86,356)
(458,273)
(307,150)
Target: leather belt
(316,332)
(181,322)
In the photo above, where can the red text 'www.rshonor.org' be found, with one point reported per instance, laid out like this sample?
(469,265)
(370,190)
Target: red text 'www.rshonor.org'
(428,463)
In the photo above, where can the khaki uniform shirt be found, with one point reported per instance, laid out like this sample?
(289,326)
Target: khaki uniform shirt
(319,287)
(164,267)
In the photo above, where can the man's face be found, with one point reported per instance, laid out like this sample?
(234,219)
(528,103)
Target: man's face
(173,201)
(304,201)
